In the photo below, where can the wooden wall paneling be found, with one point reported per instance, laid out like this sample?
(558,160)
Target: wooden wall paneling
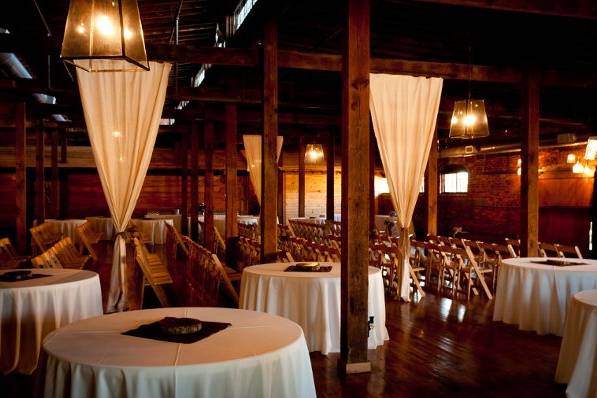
(355,199)
(269,167)
(281,191)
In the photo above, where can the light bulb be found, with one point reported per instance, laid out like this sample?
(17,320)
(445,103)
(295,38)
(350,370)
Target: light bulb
(454,120)
(578,168)
(80,29)
(519,162)
(470,120)
(104,25)
(116,134)
(571,158)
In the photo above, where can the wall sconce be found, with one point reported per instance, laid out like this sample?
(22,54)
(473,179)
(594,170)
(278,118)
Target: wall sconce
(571,158)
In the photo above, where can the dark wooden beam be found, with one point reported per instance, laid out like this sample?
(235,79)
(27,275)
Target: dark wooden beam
(581,9)
(184,182)
(355,199)
(529,192)
(432,187)
(301,177)
(63,147)
(203,55)
(55,176)
(208,194)
(194,181)
(40,181)
(372,149)
(330,174)
(269,167)
(231,175)
(21,176)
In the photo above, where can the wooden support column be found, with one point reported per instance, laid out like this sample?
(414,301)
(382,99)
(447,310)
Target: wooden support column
(269,167)
(231,173)
(372,212)
(40,180)
(55,177)
(194,233)
(63,147)
(184,182)
(301,177)
(355,199)
(329,189)
(432,186)
(529,193)
(21,176)
(281,191)
(208,217)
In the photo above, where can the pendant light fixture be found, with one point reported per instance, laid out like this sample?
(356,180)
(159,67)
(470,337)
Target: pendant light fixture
(104,36)
(469,119)
(313,153)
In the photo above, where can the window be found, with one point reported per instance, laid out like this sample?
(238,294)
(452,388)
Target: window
(455,182)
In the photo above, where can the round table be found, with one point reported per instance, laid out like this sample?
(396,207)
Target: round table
(577,364)
(260,355)
(535,296)
(67,227)
(311,299)
(33,308)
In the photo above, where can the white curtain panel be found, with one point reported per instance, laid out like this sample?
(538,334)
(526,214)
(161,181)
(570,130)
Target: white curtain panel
(404,113)
(253,154)
(122,113)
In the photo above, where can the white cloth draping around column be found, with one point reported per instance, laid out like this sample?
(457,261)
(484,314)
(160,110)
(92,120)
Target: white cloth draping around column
(253,154)
(122,113)
(404,112)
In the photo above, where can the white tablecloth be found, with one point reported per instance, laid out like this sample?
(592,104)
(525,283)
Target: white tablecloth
(536,296)
(311,299)
(67,227)
(33,308)
(577,364)
(220,222)
(258,356)
(176,218)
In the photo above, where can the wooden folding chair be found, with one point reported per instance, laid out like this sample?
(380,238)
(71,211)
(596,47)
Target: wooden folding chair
(513,246)
(548,250)
(9,258)
(68,255)
(566,251)
(474,272)
(88,238)
(155,273)
(47,259)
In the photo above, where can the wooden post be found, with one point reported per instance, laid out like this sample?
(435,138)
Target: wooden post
(194,233)
(281,191)
(330,172)
(55,177)
(355,199)
(372,212)
(231,172)
(269,167)
(529,193)
(184,182)
(208,217)
(21,176)
(301,177)
(40,180)
(432,186)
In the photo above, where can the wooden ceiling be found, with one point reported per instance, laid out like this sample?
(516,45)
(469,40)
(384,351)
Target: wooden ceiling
(470,31)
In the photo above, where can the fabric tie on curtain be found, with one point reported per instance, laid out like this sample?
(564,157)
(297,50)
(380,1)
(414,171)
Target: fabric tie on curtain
(122,114)
(404,112)
(253,154)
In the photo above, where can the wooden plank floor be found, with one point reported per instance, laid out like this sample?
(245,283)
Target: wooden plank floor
(443,347)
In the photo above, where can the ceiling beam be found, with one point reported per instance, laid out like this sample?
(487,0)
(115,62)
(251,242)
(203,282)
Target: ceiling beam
(582,9)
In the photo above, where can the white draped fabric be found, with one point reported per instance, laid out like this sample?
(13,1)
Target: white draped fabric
(253,155)
(404,112)
(122,113)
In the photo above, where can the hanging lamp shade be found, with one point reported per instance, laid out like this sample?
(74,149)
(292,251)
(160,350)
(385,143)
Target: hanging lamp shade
(104,36)
(591,151)
(313,153)
(469,120)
